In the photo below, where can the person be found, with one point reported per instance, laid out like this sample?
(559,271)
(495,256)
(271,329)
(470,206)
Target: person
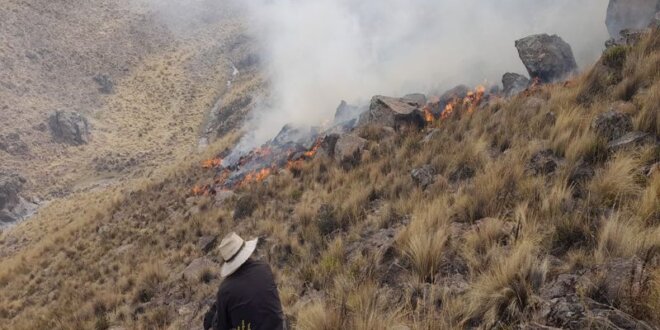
(248,297)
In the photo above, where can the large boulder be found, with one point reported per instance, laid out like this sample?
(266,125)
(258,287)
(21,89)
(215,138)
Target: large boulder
(13,145)
(514,84)
(630,14)
(423,176)
(69,127)
(346,112)
(10,187)
(612,125)
(548,58)
(12,206)
(348,149)
(418,99)
(393,112)
(543,162)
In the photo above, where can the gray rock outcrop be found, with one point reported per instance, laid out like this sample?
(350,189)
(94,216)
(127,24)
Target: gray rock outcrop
(630,14)
(612,125)
(348,149)
(548,58)
(393,112)
(514,84)
(69,127)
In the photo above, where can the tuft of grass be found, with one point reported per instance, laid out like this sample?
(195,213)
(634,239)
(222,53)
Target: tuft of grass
(504,294)
(616,182)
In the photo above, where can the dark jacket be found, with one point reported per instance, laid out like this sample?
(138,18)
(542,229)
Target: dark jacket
(247,298)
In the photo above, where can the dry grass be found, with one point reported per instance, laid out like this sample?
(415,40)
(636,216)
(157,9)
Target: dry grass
(363,248)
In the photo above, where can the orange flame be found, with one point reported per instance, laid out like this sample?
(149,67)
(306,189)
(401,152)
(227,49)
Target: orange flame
(200,190)
(211,163)
(470,102)
(428,115)
(257,176)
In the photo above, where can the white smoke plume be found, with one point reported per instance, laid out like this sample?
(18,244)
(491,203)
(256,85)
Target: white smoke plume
(319,52)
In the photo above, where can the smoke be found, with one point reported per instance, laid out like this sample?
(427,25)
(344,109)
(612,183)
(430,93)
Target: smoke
(319,52)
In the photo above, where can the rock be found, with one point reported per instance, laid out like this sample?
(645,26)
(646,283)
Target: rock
(548,58)
(543,162)
(514,84)
(13,145)
(106,85)
(348,150)
(207,243)
(69,127)
(346,112)
(630,140)
(418,99)
(627,37)
(606,317)
(423,176)
(198,267)
(620,279)
(290,133)
(393,112)
(10,186)
(630,14)
(565,312)
(245,206)
(459,92)
(612,125)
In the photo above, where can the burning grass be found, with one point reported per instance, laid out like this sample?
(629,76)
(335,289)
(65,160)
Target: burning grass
(361,248)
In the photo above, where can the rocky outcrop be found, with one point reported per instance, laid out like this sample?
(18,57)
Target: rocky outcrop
(106,85)
(543,162)
(393,112)
(10,186)
(548,58)
(13,145)
(12,206)
(612,125)
(630,14)
(514,84)
(346,112)
(69,127)
(630,140)
(348,149)
(423,176)
(418,99)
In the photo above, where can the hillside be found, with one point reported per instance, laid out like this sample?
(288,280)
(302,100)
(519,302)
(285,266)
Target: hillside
(143,82)
(531,216)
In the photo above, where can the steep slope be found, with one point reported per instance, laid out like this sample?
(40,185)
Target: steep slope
(144,83)
(537,215)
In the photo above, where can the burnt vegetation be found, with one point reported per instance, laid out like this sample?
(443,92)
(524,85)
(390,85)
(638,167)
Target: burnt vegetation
(489,242)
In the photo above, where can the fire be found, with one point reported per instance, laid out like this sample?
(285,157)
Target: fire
(201,190)
(257,176)
(428,115)
(449,109)
(470,102)
(212,163)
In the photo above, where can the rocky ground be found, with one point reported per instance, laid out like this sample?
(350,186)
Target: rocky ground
(97,92)
(532,206)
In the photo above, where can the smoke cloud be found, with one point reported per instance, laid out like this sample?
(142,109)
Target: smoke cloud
(318,52)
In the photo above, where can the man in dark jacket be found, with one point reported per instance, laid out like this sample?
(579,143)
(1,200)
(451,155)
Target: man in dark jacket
(248,297)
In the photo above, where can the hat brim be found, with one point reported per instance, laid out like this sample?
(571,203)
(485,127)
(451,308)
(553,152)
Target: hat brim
(243,255)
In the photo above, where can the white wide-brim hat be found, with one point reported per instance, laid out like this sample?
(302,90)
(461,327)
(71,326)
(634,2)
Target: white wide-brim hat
(235,251)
